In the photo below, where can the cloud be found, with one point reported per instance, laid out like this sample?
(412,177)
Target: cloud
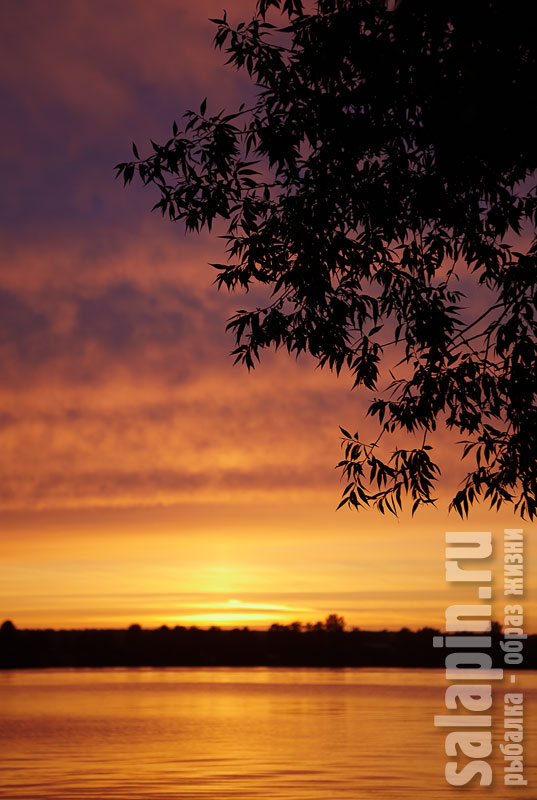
(80,79)
(120,391)
(99,60)
(216,436)
(134,458)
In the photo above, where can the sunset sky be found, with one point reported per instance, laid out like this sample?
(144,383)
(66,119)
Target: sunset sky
(143,478)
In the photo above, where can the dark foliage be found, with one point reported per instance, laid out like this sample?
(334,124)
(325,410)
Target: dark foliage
(380,187)
(281,646)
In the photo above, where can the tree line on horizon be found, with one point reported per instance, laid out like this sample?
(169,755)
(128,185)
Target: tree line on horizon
(326,644)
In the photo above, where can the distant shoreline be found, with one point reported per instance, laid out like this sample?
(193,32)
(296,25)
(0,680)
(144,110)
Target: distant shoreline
(279,646)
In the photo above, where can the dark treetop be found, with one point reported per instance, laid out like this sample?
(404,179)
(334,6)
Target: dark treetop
(379,192)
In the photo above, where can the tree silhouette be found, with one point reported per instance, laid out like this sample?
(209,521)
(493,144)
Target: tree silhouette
(334,623)
(379,189)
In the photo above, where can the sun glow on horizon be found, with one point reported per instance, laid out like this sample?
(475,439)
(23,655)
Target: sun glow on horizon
(144,479)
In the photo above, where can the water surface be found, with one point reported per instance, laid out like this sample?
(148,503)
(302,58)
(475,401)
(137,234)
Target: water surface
(272,734)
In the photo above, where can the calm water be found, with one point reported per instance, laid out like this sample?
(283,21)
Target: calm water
(189,734)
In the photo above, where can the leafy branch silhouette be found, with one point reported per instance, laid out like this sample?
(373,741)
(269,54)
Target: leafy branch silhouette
(380,187)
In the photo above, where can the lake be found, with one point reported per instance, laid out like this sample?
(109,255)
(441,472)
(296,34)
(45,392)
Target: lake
(275,734)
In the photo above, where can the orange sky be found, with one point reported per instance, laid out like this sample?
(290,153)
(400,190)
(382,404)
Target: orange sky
(142,477)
